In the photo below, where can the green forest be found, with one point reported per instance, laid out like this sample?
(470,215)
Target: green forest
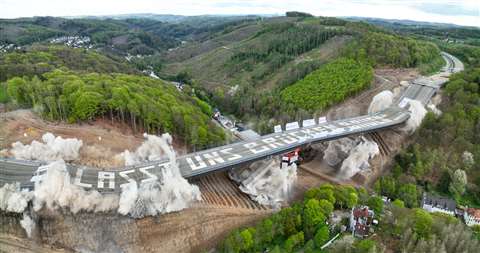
(300,226)
(290,41)
(307,226)
(330,84)
(383,49)
(446,157)
(444,160)
(145,103)
(275,69)
(452,34)
(136,35)
(38,60)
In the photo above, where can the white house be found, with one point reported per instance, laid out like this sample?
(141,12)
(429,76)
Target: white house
(472,216)
(434,204)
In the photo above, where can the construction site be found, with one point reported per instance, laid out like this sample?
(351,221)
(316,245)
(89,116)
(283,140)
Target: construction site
(210,204)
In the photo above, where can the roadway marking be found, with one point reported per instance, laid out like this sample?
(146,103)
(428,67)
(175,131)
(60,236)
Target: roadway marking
(109,176)
(78,179)
(219,157)
(124,175)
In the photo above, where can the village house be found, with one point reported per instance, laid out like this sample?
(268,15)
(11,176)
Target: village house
(472,216)
(361,221)
(433,204)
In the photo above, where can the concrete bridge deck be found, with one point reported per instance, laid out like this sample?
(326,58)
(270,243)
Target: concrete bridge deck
(237,154)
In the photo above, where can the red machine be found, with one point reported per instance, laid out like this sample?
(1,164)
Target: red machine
(290,158)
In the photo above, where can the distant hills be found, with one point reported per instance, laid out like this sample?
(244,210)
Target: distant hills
(404,22)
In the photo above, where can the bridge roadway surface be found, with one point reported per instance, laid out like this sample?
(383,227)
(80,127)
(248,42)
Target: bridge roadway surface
(241,153)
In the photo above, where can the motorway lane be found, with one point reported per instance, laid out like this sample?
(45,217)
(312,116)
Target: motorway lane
(215,159)
(232,155)
(279,143)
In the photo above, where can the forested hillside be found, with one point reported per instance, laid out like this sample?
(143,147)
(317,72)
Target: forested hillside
(442,32)
(307,226)
(446,158)
(300,227)
(41,59)
(138,35)
(291,40)
(382,49)
(145,103)
(62,82)
(329,84)
(262,70)
(260,77)
(443,161)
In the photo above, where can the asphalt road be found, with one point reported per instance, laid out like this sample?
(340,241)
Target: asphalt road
(240,153)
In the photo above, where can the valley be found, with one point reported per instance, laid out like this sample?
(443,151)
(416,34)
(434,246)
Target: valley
(110,140)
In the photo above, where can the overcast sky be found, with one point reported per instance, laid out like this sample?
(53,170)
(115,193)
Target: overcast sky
(461,12)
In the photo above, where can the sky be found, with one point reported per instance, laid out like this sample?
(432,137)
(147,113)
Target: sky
(460,12)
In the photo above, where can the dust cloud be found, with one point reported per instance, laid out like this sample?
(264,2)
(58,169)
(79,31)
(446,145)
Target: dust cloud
(171,193)
(380,102)
(350,154)
(54,189)
(338,150)
(358,158)
(12,199)
(417,113)
(272,185)
(154,148)
(433,108)
(52,149)
(27,224)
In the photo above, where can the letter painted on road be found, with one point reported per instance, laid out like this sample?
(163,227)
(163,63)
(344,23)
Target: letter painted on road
(150,177)
(251,146)
(193,166)
(124,175)
(288,139)
(104,175)
(78,179)
(213,158)
(232,155)
(296,134)
(272,142)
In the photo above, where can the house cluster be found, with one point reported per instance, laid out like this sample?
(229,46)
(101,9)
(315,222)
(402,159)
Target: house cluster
(362,221)
(8,47)
(362,218)
(129,57)
(73,41)
(150,73)
(452,40)
(471,216)
(178,85)
(432,204)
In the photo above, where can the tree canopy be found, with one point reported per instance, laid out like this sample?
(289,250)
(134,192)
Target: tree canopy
(330,84)
(143,102)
